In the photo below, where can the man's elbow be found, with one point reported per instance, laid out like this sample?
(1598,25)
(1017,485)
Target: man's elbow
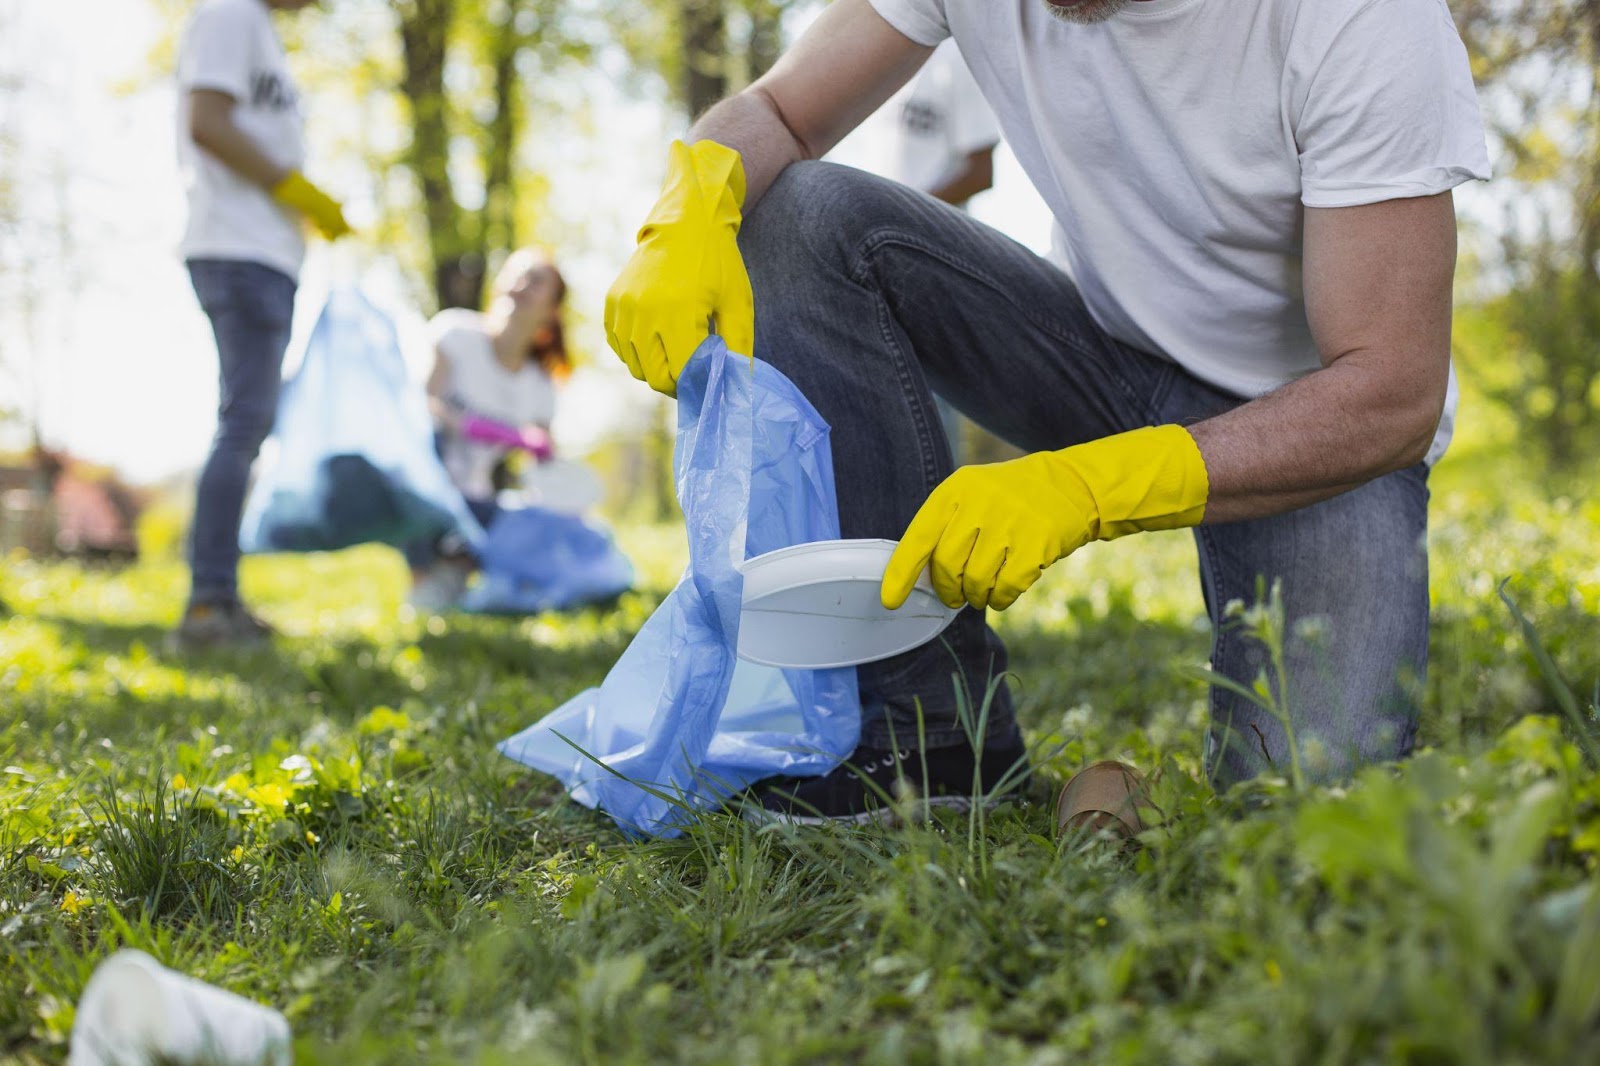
(763,97)
(1421,425)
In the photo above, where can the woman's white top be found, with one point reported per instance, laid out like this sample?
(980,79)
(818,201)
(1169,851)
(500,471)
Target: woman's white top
(480,384)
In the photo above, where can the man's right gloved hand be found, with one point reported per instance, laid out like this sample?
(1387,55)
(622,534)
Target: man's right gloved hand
(685,270)
(322,210)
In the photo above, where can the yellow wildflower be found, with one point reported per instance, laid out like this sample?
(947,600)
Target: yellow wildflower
(270,796)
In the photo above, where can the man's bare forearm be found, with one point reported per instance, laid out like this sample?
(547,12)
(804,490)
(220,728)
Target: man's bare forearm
(211,126)
(751,124)
(1377,285)
(1351,423)
(241,155)
(972,175)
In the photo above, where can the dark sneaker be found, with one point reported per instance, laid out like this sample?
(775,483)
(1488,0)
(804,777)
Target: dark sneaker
(216,625)
(855,791)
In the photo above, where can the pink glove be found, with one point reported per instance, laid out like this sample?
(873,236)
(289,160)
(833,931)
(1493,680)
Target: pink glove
(488,431)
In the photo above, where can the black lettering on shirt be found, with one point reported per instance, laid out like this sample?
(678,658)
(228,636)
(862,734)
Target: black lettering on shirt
(272,92)
(922,119)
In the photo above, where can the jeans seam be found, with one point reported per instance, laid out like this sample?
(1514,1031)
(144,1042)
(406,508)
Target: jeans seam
(1065,335)
(926,446)
(1207,553)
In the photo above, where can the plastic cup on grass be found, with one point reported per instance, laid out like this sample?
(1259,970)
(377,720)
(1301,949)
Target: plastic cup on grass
(135,1012)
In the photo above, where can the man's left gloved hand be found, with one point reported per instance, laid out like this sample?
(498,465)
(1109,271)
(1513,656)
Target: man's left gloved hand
(320,209)
(988,532)
(685,271)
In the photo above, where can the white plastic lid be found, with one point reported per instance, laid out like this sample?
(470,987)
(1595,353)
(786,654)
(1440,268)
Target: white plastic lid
(816,606)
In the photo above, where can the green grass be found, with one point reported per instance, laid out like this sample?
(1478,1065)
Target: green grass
(326,827)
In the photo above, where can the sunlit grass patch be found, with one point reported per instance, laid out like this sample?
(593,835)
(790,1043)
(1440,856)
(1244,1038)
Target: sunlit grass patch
(326,826)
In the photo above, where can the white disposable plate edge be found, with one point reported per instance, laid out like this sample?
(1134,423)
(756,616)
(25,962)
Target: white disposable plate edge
(762,579)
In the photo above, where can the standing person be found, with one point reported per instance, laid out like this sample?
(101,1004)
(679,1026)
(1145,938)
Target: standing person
(1246,330)
(241,149)
(492,391)
(945,136)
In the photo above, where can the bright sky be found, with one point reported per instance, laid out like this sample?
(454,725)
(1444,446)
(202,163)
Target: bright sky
(113,348)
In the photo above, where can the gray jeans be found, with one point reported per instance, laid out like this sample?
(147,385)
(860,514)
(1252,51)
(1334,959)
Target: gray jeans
(251,308)
(872,298)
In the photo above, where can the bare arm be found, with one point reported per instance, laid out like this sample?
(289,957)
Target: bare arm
(974,174)
(446,415)
(1378,292)
(211,126)
(845,66)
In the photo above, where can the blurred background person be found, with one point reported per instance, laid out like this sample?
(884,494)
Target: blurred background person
(492,394)
(241,149)
(945,132)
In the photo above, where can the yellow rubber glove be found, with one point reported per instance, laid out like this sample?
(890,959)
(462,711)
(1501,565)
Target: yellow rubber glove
(685,270)
(988,532)
(322,210)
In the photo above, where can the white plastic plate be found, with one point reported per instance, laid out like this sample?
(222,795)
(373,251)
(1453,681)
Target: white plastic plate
(816,606)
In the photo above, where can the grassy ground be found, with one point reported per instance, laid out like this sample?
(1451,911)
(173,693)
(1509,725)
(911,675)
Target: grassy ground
(325,827)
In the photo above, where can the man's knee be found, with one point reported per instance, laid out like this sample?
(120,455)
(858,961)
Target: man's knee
(1339,707)
(816,211)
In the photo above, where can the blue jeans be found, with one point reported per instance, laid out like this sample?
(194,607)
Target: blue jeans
(251,308)
(873,298)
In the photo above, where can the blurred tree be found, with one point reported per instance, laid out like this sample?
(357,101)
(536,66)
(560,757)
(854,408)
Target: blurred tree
(463,72)
(703,49)
(1539,61)
(425,42)
(498,40)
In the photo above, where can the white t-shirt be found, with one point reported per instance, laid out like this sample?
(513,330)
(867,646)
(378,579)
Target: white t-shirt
(230,46)
(941,118)
(1179,142)
(482,385)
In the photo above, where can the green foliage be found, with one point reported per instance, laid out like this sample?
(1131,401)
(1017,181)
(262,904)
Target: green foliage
(1538,64)
(326,827)
(1538,350)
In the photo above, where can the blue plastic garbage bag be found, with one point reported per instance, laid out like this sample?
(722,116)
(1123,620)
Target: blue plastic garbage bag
(537,560)
(355,460)
(678,712)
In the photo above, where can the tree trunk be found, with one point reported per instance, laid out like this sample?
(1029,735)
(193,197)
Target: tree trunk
(703,29)
(500,146)
(455,255)
(766,36)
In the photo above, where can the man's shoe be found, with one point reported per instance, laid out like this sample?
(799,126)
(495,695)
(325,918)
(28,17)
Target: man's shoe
(217,625)
(854,791)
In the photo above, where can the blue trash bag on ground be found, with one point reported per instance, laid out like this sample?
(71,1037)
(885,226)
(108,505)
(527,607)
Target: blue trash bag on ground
(679,723)
(355,460)
(534,560)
